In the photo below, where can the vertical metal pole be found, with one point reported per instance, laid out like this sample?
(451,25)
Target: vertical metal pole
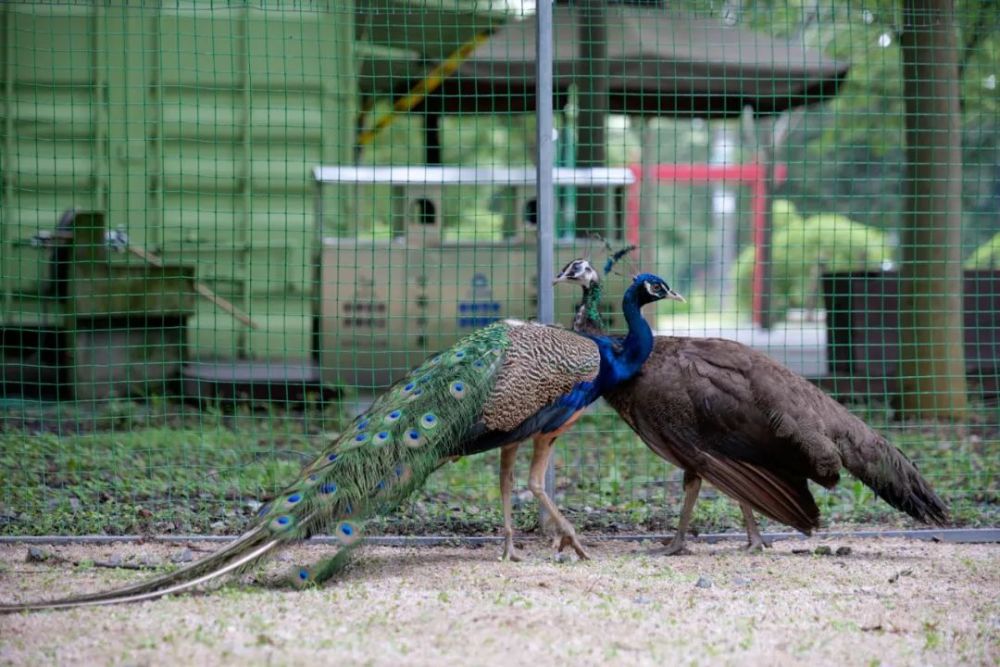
(543,179)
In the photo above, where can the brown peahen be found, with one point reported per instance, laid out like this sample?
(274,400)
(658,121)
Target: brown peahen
(723,412)
(501,384)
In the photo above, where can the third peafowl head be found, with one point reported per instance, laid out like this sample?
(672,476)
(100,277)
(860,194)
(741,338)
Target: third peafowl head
(651,287)
(578,272)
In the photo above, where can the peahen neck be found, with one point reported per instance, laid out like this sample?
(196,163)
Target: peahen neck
(588,316)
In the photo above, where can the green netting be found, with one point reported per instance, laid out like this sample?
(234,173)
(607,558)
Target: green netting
(191,308)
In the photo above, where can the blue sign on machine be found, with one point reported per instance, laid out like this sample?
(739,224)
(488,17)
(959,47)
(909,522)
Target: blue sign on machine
(479,310)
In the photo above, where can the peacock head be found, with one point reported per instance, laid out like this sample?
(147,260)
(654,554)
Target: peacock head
(649,287)
(578,272)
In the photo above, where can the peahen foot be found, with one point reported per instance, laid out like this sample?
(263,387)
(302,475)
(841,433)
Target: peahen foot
(755,543)
(756,546)
(675,547)
(678,545)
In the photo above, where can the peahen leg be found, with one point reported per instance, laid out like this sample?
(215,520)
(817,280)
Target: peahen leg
(566,535)
(692,485)
(507,457)
(754,540)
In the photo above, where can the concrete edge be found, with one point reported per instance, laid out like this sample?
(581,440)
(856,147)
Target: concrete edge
(950,535)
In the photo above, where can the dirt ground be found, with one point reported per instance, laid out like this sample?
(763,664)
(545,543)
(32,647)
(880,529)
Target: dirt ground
(887,602)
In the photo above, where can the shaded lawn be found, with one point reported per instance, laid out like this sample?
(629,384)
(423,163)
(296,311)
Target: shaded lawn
(163,468)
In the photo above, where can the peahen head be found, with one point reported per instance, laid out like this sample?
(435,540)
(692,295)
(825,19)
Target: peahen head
(648,287)
(579,272)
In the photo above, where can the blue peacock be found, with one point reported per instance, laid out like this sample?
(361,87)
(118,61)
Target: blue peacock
(731,415)
(612,352)
(499,385)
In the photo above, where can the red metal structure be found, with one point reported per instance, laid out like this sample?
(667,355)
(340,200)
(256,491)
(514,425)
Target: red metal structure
(752,175)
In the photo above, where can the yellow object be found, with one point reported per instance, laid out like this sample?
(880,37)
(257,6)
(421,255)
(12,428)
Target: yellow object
(427,85)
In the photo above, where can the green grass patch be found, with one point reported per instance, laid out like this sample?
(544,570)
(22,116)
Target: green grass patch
(126,469)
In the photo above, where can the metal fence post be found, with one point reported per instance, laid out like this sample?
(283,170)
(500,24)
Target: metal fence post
(545,196)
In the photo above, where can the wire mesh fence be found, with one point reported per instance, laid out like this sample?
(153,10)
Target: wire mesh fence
(227,226)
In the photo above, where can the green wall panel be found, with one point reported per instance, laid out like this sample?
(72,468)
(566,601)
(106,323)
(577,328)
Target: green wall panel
(193,126)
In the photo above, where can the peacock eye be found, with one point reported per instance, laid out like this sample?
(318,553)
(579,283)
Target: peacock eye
(412,438)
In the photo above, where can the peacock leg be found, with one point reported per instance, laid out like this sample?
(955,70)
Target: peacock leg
(507,457)
(692,485)
(754,540)
(566,535)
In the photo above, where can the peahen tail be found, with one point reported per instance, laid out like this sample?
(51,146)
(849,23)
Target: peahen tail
(890,474)
(375,464)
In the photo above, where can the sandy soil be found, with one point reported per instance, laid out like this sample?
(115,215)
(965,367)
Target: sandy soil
(888,602)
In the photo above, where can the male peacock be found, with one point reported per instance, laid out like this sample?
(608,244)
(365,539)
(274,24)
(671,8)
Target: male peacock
(502,384)
(616,365)
(723,412)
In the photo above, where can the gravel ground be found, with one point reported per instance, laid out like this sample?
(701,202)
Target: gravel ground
(886,602)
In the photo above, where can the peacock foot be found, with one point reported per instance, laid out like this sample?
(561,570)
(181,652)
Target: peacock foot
(510,552)
(569,539)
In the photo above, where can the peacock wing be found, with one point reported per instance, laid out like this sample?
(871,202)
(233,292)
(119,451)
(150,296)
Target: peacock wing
(542,366)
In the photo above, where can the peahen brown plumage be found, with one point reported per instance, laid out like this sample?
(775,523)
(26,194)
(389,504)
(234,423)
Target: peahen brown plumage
(501,384)
(731,415)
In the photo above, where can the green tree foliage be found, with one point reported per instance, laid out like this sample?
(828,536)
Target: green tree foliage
(803,249)
(986,256)
(847,156)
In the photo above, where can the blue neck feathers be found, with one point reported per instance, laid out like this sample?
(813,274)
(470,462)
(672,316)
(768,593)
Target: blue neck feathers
(622,359)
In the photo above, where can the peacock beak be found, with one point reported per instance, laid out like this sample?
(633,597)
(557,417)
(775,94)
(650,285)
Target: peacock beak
(674,296)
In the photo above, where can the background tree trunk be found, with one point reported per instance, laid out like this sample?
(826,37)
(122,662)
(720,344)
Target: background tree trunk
(932,369)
